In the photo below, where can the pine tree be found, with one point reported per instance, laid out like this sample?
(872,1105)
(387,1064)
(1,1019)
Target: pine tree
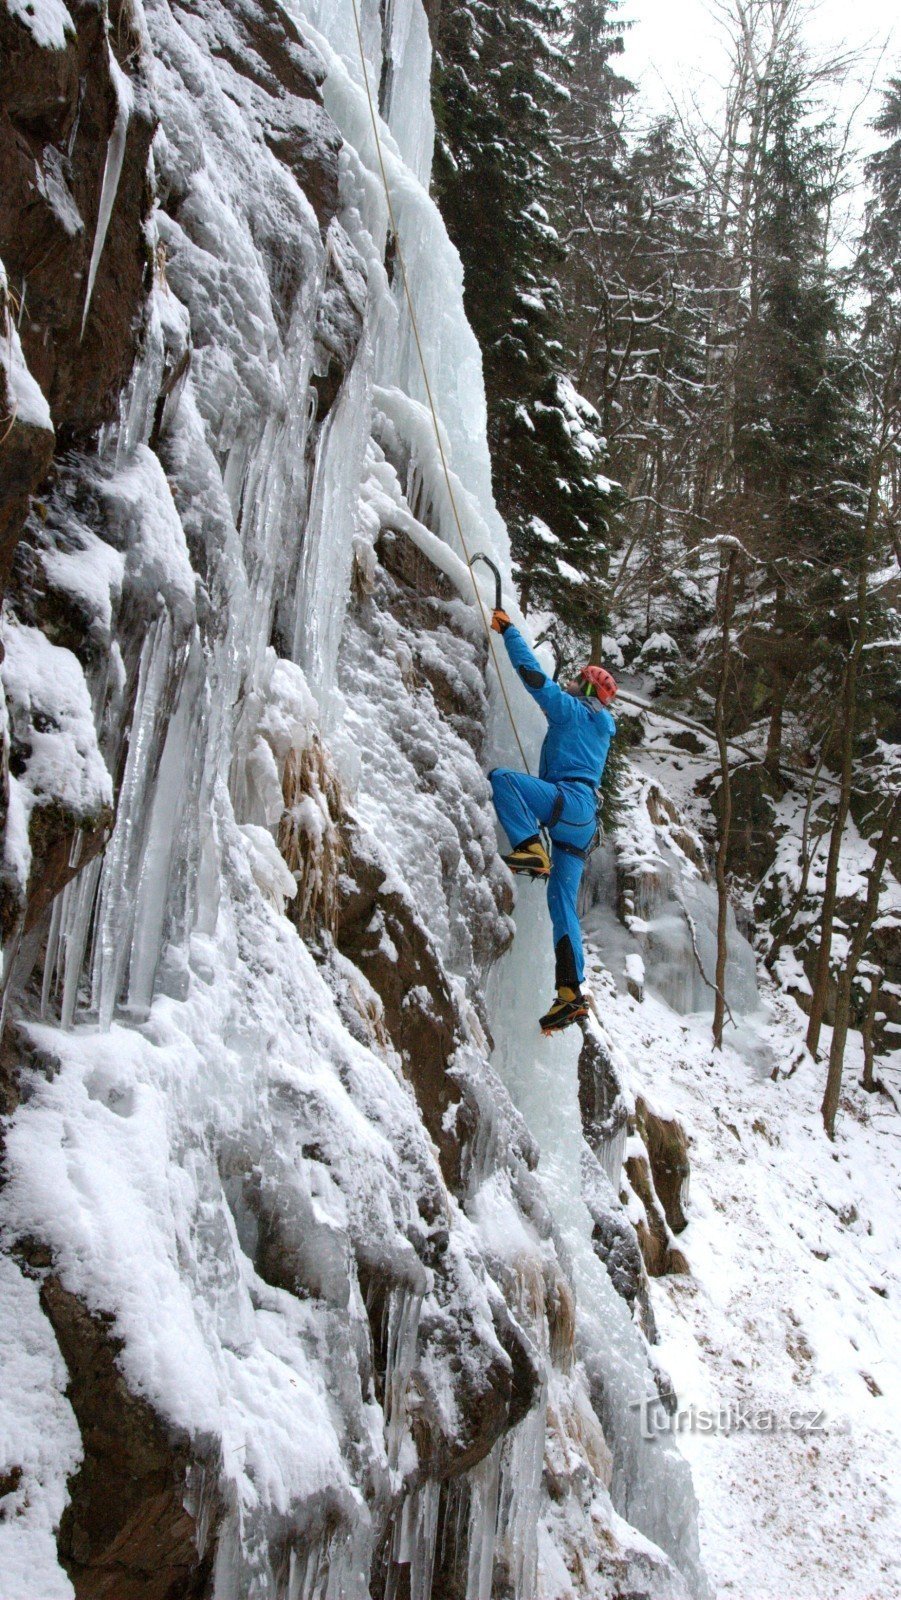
(796,483)
(499,92)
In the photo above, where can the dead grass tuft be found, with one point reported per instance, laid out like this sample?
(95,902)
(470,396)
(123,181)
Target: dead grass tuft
(310,838)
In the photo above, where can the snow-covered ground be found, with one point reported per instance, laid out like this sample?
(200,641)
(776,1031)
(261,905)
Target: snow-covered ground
(783,1343)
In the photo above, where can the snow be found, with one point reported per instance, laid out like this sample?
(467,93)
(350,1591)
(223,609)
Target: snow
(204,1075)
(46,691)
(794,1247)
(543,531)
(139,499)
(570,573)
(217,1140)
(651,1485)
(39,1442)
(658,644)
(24,396)
(795,1254)
(92,574)
(270,874)
(47,21)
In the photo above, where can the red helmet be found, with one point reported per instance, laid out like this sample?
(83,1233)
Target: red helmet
(598,681)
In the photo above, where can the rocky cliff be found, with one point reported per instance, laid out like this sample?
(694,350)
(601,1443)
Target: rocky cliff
(295,1304)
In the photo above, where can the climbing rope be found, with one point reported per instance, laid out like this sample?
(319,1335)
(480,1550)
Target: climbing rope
(414,323)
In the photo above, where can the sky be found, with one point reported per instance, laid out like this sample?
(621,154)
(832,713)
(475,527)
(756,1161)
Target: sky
(676,54)
(675,45)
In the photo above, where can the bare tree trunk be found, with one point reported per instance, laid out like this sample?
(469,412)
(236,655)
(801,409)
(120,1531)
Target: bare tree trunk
(774,739)
(849,711)
(807,855)
(849,972)
(868,1082)
(722,849)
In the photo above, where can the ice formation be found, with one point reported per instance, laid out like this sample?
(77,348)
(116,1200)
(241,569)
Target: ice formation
(370,1313)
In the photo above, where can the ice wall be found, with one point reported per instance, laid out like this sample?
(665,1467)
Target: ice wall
(268,1161)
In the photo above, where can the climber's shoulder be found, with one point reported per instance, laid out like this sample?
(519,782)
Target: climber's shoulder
(600,717)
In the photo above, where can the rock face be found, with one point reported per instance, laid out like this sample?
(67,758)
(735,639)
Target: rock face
(302,1310)
(667,1147)
(127,1531)
(73,92)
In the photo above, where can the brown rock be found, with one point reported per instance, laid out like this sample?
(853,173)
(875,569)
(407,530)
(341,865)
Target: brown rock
(127,1533)
(59,109)
(601,1104)
(667,1147)
(616,1242)
(25,455)
(378,931)
(660,1256)
(60,848)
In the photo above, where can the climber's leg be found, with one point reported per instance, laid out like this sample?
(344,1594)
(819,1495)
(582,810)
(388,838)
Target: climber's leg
(523,804)
(562,894)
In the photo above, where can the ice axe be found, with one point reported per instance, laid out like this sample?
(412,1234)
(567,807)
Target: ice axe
(499,606)
(498,588)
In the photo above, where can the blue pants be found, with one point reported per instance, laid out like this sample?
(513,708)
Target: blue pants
(522,805)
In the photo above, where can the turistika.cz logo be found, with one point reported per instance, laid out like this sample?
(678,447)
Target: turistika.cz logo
(736,1416)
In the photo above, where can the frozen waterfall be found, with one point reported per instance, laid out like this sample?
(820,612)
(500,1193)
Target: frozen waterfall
(302,1196)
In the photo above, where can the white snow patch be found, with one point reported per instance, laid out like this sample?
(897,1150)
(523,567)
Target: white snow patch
(47,21)
(39,1443)
(49,702)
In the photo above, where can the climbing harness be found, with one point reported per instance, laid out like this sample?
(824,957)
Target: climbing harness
(414,323)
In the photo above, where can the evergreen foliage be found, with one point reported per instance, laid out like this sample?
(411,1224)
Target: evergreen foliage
(797,489)
(500,89)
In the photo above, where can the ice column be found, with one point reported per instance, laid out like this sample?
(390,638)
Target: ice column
(652,1484)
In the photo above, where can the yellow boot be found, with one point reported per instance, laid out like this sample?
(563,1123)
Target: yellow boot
(530,858)
(568,1007)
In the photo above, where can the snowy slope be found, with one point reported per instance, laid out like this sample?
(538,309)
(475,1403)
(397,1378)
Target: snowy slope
(789,1320)
(782,1342)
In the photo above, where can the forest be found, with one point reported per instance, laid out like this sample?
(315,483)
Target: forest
(691,328)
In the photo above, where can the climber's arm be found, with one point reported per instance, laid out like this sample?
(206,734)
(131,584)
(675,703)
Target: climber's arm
(556,704)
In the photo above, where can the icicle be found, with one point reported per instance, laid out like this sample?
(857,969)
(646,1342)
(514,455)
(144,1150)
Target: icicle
(523,1464)
(115,155)
(413,1543)
(140,397)
(324,579)
(50,956)
(80,899)
(159,670)
(171,837)
(404,1310)
(484,1481)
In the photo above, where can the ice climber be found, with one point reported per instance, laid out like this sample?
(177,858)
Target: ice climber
(562,799)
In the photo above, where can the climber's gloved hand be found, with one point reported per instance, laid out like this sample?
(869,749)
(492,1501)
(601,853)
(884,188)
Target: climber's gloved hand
(500,622)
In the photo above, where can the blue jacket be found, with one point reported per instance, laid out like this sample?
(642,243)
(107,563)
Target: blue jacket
(579,731)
